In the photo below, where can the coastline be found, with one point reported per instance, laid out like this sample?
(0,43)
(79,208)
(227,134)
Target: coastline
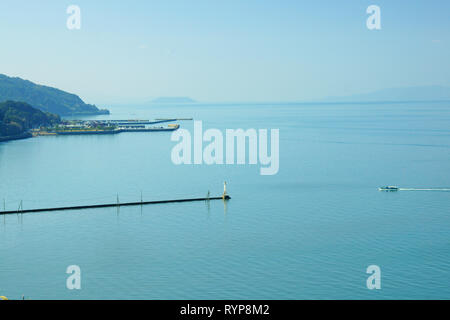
(29,134)
(115,131)
(24,135)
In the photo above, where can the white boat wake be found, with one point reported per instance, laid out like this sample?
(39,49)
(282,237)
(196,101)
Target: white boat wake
(430,189)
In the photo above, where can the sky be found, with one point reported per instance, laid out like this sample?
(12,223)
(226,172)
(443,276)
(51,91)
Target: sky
(225,51)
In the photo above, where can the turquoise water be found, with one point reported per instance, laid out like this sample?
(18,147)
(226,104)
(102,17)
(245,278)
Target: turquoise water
(308,232)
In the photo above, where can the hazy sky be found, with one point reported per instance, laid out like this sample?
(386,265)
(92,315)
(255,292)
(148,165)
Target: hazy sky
(225,50)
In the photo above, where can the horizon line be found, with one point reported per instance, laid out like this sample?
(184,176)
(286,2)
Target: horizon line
(273,102)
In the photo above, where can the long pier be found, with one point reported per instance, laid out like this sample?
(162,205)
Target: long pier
(112,205)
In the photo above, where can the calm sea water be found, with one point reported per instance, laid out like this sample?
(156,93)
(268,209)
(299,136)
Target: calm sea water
(308,232)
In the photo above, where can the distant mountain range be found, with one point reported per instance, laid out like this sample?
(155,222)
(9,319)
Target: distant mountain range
(45,98)
(173,100)
(423,93)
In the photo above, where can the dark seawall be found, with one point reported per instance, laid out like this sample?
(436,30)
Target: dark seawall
(112,205)
(24,135)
